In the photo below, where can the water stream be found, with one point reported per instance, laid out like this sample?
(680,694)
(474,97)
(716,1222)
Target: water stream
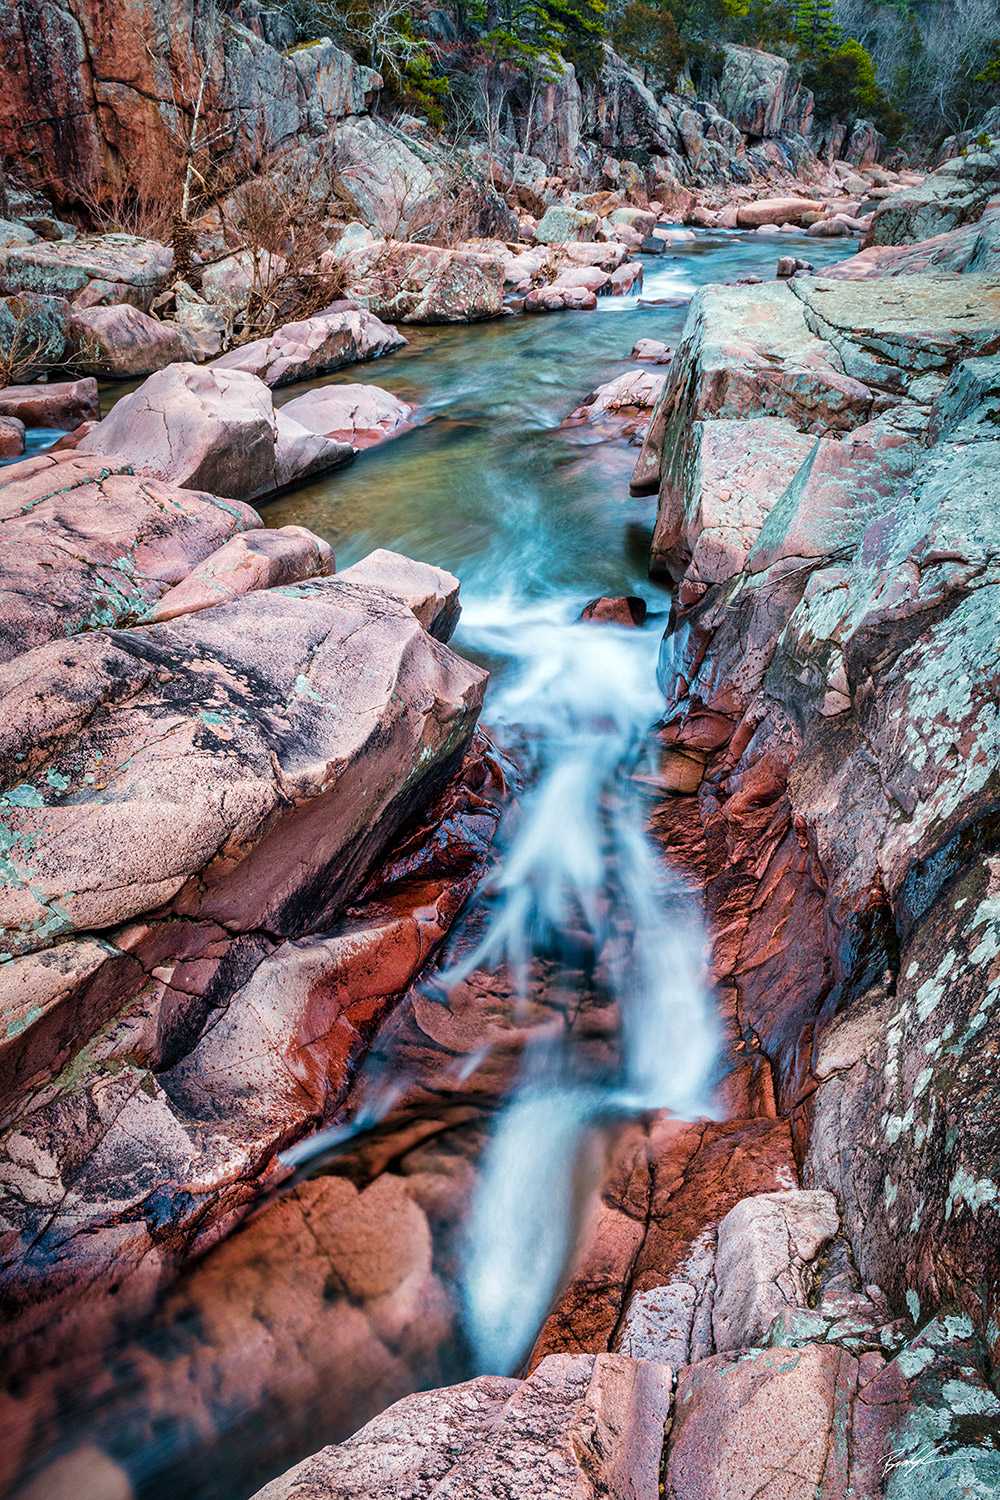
(535,519)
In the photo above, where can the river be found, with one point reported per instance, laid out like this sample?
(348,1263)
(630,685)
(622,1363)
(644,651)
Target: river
(535,519)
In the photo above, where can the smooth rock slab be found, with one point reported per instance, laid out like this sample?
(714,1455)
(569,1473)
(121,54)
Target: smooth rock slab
(257,559)
(313,346)
(582,1427)
(86,543)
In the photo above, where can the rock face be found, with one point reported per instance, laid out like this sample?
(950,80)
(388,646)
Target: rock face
(212,427)
(760,95)
(313,347)
(580,1427)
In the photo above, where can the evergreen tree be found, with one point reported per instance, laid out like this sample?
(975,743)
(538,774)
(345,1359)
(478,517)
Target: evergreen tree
(816,27)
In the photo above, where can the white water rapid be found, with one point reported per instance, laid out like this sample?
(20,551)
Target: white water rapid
(580,882)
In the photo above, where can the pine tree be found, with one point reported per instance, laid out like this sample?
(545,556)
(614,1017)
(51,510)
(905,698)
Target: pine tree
(816,27)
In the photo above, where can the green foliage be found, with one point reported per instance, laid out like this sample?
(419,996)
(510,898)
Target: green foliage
(646,36)
(816,27)
(534,30)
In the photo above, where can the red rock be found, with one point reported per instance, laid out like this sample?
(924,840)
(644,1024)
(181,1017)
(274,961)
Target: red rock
(626,611)
(431,593)
(64,404)
(775,211)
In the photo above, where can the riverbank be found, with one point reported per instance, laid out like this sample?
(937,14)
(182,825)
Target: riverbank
(315,812)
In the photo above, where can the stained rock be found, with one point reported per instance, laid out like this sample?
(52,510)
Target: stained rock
(654,350)
(431,593)
(561,223)
(11,437)
(629,610)
(314,346)
(581,1426)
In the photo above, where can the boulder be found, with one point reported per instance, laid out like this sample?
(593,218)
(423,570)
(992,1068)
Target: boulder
(228,283)
(431,593)
(86,544)
(11,437)
(314,346)
(62,404)
(653,350)
(212,428)
(547,299)
(627,278)
(775,211)
(829,229)
(561,223)
(391,187)
(33,333)
(629,611)
(359,415)
(581,1427)
(89,270)
(589,277)
(607,256)
(119,342)
(763,1261)
(424,284)
(639,219)
(255,559)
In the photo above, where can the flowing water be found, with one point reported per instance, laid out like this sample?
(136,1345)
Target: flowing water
(535,519)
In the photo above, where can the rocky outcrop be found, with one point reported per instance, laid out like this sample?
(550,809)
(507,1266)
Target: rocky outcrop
(760,95)
(973,247)
(955,194)
(580,1427)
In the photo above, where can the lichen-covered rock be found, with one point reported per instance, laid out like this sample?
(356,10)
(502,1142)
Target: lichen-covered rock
(956,194)
(561,223)
(314,346)
(85,543)
(89,270)
(33,332)
(424,284)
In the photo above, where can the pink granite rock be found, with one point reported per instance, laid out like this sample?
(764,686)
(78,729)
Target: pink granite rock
(215,428)
(581,1427)
(59,403)
(254,560)
(84,543)
(762,1261)
(311,347)
(360,416)
(121,341)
